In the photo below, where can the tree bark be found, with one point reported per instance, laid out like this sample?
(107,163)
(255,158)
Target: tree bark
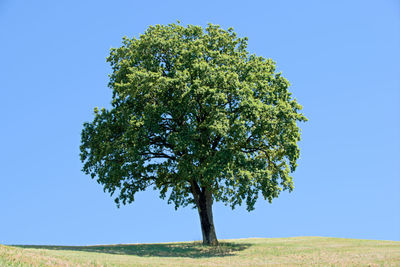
(204,201)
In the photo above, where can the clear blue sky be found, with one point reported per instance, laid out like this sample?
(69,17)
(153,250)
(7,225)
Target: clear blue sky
(341,57)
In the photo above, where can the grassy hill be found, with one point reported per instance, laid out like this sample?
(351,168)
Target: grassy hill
(304,251)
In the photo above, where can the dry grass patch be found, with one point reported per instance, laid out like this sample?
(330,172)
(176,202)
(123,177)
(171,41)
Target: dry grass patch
(298,251)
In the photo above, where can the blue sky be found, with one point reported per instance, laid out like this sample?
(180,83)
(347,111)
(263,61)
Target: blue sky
(341,57)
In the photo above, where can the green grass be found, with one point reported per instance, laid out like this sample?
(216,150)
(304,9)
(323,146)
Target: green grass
(299,251)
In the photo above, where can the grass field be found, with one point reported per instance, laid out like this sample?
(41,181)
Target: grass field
(303,251)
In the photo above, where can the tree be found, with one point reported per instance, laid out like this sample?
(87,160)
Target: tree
(197,117)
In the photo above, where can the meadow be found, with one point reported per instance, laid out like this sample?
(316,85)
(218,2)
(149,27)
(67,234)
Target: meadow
(295,251)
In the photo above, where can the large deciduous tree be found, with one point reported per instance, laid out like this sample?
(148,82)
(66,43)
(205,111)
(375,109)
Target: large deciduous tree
(197,117)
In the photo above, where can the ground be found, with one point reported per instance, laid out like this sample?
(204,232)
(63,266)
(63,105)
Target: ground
(298,251)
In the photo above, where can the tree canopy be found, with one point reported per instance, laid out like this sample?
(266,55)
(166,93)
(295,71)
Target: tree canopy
(193,112)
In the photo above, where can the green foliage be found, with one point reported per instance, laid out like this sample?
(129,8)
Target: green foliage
(191,104)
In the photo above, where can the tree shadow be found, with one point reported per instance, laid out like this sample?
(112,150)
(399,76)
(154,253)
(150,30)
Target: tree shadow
(190,249)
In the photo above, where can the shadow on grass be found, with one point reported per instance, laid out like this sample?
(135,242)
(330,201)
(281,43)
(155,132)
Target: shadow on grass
(191,250)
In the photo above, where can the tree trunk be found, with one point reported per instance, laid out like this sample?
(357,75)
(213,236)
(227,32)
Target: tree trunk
(203,199)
